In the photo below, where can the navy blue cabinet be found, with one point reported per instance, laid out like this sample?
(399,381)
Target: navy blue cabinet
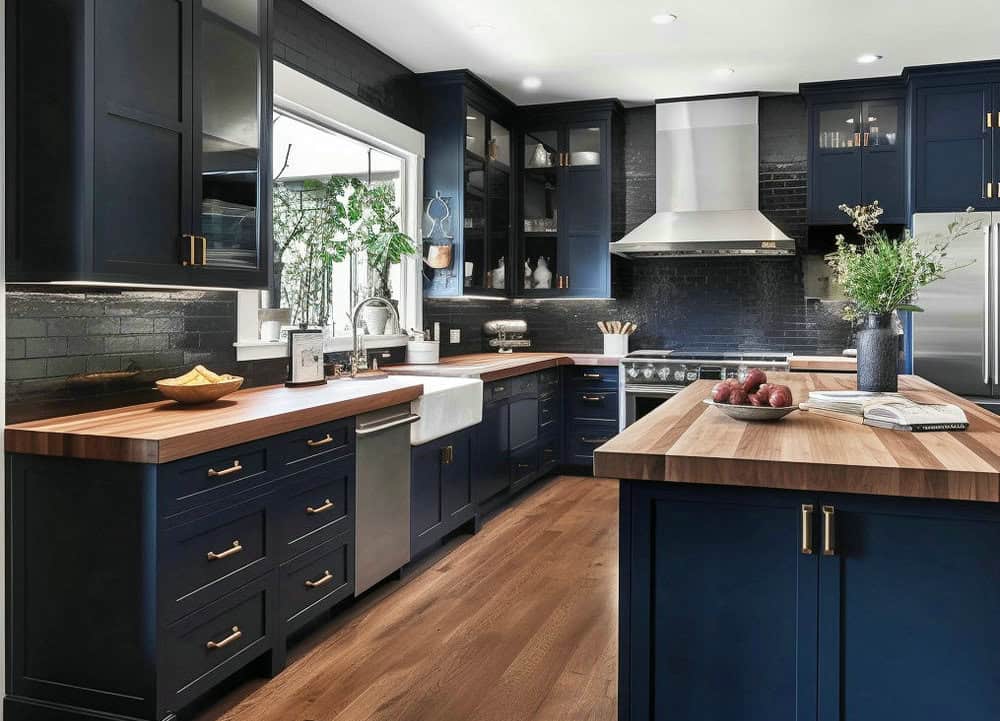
(857,133)
(955,140)
(492,444)
(573,166)
(139,142)
(591,410)
(761,604)
(441,490)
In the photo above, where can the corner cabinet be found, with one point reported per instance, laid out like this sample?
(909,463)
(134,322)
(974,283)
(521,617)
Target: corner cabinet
(139,146)
(857,133)
(861,595)
(956,138)
(468,184)
(571,175)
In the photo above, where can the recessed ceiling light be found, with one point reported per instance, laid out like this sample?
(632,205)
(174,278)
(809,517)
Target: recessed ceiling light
(724,72)
(482,28)
(531,83)
(663,18)
(869,58)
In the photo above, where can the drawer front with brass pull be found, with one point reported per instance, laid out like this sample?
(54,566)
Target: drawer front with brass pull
(315,581)
(593,376)
(523,467)
(207,558)
(549,412)
(320,443)
(596,405)
(210,479)
(496,390)
(583,437)
(211,639)
(314,505)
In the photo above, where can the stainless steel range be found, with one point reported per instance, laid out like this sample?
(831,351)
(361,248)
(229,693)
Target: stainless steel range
(651,377)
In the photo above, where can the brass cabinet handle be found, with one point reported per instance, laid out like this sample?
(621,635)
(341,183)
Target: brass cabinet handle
(499,389)
(234,636)
(989,119)
(989,189)
(566,286)
(327,505)
(829,541)
(592,399)
(232,551)
(524,465)
(594,441)
(807,544)
(321,442)
(190,259)
(235,468)
(592,376)
(326,578)
(447,454)
(866,140)
(204,250)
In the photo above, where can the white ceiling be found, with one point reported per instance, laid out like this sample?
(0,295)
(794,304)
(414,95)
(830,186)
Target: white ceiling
(585,49)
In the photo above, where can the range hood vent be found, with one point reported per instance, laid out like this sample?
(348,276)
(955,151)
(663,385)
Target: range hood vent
(706,185)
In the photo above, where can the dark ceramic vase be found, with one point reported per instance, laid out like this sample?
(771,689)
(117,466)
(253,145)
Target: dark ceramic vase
(878,354)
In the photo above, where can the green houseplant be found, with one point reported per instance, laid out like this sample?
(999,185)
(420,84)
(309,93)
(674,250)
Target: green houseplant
(881,275)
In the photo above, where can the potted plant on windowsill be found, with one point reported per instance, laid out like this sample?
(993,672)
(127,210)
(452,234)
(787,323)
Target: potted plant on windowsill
(881,275)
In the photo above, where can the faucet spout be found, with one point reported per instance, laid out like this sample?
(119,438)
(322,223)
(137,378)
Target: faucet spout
(359,361)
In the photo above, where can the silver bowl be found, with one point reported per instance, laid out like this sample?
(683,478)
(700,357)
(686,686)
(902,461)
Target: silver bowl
(752,413)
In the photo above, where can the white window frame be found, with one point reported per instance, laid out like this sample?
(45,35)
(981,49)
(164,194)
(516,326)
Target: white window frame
(300,95)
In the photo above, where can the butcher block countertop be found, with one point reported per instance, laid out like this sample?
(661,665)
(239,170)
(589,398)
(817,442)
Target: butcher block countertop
(496,366)
(843,364)
(685,440)
(166,431)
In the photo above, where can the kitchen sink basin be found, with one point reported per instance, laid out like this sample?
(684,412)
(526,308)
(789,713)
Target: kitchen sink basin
(447,405)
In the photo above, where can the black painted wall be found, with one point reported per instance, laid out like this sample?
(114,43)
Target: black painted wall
(695,304)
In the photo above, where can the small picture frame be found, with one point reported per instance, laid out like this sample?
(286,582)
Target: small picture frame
(305,358)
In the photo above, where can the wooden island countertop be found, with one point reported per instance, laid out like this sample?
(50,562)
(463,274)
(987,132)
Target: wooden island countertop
(166,431)
(687,441)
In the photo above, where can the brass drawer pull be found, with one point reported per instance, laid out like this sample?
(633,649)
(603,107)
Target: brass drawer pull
(327,505)
(204,250)
(498,389)
(236,548)
(327,577)
(592,399)
(595,441)
(829,540)
(235,468)
(448,455)
(592,376)
(236,635)
(807,544)
(190,260)
(321,442)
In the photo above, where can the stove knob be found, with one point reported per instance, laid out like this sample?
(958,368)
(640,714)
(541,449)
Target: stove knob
(633,372)
(679,375)
(692,376)
(664,374)
(647,372)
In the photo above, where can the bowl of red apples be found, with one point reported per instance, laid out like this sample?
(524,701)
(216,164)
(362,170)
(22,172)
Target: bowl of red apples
(753,398)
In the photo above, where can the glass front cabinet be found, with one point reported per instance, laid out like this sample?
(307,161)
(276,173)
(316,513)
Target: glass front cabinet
(572,155)
(856,149)
(468,182)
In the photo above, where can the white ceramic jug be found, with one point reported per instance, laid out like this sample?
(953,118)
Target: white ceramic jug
(543,276)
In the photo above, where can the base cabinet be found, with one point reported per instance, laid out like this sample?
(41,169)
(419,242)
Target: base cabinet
(762,604)
(441,491)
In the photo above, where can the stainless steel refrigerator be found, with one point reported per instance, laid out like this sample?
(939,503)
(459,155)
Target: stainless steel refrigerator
(956,340)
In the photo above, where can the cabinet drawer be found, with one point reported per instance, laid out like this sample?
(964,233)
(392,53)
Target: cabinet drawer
(203,648)
(583,438)
(203,560)
(549,454)
(314,505)
(497,390)
(523,466)
(316,581)
(549,412)
(548,381)
(213,477)
(593,375)
(524,385)
(598,405)
(317,444)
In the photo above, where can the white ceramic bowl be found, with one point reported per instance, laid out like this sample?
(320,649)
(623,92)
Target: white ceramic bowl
(752,413)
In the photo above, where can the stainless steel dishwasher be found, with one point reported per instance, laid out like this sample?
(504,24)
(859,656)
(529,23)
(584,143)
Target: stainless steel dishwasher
(382,495)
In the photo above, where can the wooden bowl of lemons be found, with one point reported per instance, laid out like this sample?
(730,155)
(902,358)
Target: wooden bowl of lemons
(199,385)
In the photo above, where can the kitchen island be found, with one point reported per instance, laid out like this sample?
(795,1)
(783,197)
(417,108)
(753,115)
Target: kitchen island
(807,569)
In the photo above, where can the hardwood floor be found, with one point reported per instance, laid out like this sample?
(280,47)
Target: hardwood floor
(518,623)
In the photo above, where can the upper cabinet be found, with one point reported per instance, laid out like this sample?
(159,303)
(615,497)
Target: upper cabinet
(856,148)
(956,141)
(468,187)
(573,167)
(139,149)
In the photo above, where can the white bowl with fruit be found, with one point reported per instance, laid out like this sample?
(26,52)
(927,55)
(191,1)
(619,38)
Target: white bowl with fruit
(753,398)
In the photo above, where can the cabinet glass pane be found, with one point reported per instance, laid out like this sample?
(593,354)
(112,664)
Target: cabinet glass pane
(541,149)
(239,12)
(541,201)
(840,127)
(498,226)
(475,131)
(499,143)
(882,123)
(541,263)
(474,224)
(585,146)
(230,143)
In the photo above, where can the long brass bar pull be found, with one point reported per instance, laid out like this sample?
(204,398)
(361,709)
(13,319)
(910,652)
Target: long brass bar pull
(232,551)
(807,543)
(829,532)
(236,635)
(204,250)
(235,468)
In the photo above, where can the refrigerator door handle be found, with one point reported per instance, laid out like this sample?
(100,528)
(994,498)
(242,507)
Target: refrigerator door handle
(987,300)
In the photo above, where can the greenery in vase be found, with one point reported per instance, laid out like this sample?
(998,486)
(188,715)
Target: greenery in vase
(881,274)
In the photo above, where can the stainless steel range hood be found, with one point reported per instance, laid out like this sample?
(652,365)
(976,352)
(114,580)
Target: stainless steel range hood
(706,185)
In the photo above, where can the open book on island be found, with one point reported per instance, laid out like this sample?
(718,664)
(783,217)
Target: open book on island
(886,410)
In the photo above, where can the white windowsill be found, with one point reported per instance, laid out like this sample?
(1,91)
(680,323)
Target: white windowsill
(248,350)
